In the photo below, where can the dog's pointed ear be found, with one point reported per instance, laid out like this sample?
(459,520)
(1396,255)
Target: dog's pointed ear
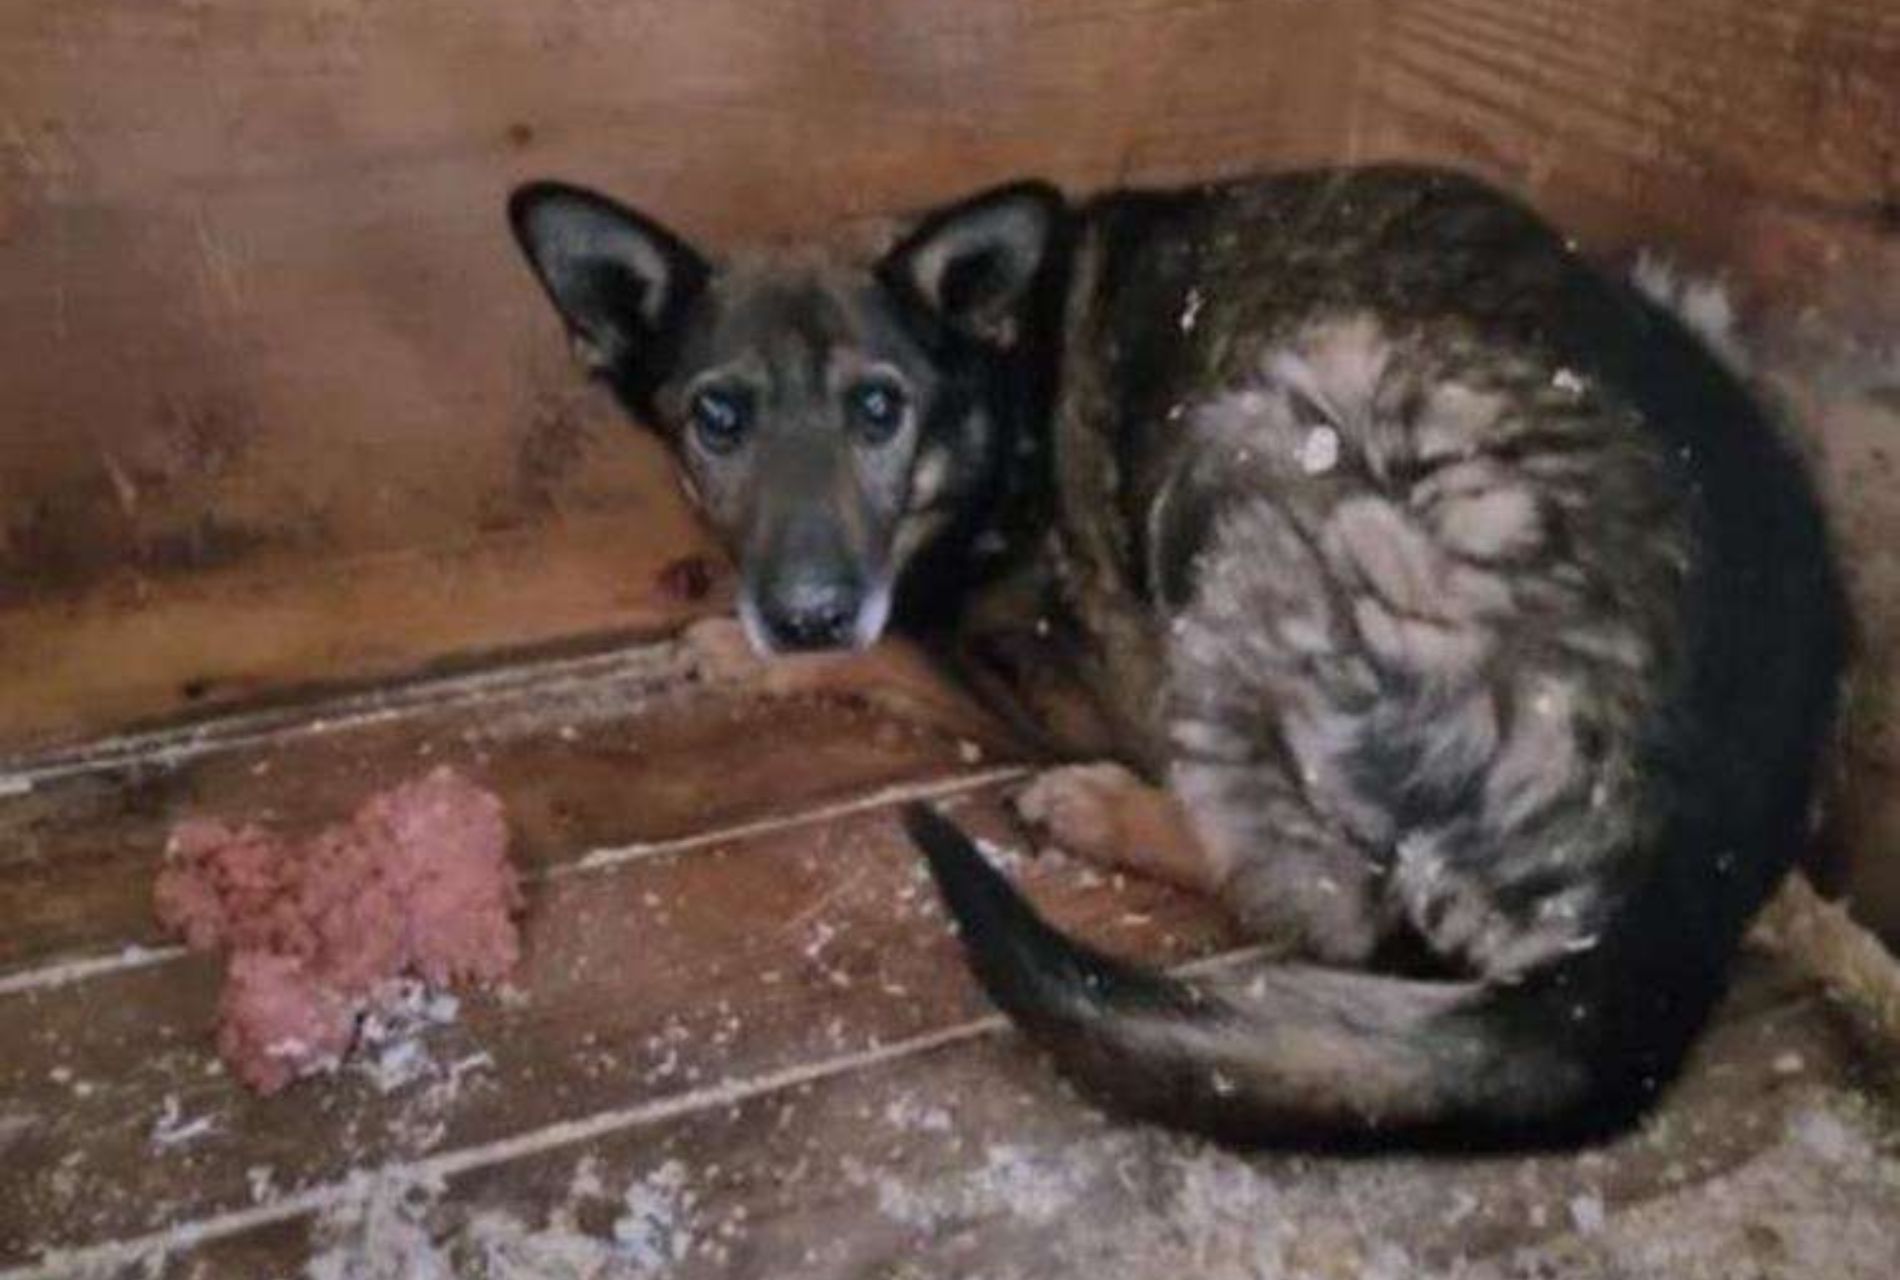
(619,279)
(974,263)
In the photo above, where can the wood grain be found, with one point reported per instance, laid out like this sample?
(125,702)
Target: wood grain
(968,1157)
(261,306)
(748,1011)
(139,650)
(595,755)
(666,973)
(272,370)
(1749,139)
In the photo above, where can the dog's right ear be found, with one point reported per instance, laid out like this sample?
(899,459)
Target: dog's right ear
(620,280)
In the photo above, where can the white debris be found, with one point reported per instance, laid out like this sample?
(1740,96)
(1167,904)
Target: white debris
(655,1232)
(1035,1187)
(1823,1133)
(1703,305)
(172,1129)
(394,1053)
(381,1233)
(1319,453)
(912,1116)
(499,1246)
(1587,1213)
(399,1063)
(1191,310)
(586,1184)
(398,1228)
(1002,857)
(1567,381)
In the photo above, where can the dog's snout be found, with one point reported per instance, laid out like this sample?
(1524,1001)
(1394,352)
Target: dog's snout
(812,613)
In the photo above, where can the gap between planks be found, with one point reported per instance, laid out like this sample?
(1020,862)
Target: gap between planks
(154,1247)
(61,973)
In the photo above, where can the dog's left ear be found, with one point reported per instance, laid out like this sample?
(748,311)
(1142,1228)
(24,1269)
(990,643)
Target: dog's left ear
(974,262)
(619,279)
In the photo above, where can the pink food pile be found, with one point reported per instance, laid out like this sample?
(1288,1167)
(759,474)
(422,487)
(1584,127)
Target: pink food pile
(417,882)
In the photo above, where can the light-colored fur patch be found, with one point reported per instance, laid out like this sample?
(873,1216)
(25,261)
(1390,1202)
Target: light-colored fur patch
(1379,622)
(1701,303)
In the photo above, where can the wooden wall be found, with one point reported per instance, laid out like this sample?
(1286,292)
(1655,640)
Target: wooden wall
(278,406)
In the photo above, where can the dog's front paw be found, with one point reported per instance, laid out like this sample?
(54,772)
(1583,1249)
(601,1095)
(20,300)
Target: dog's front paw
(1079,808)
(718,652)
(1108,815)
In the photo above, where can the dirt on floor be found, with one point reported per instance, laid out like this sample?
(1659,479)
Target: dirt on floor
(742,1042)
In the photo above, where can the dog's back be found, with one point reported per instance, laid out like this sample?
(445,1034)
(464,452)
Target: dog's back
(1462,597)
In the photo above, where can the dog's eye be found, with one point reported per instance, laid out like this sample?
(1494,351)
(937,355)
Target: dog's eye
(720,418)
(877,410)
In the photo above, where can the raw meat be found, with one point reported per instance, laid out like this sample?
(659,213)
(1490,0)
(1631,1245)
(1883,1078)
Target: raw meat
(417,882)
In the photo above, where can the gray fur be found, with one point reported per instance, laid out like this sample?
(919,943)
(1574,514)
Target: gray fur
(1413,601)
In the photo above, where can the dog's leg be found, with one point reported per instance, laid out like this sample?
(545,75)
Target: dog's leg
(1290,875)
(1106,814)
(1290,878)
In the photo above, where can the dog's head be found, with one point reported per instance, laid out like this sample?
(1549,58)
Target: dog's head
(830,420)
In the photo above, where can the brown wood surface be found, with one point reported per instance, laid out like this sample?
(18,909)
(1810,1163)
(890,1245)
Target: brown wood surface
(717,890)
(736,976)
(282,419)
(668,973)
(968,1159)
(588,767)
(261,306)
(279,628)
(260,313)
(1756,138)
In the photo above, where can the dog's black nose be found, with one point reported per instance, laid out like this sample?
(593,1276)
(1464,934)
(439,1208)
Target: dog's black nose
(812,615)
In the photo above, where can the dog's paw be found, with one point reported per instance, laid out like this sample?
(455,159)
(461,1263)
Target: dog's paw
(718,652)
(1109,816)
(1079,807)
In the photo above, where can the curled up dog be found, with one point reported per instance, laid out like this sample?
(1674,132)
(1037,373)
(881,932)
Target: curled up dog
(1447,611)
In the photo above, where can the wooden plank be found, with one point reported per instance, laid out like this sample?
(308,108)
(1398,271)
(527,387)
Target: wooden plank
(591,754)
(1749,138)
(969,1158)
(323,346)
(296,274)
(642,978)
(143,650)
(972,1160)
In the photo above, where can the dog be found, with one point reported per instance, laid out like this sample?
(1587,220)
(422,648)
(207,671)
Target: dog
(1442,607)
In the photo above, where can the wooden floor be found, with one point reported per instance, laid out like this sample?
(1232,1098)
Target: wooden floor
(742,1042)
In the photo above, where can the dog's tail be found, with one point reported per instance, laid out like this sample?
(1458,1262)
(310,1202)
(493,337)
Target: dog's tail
(1282,1053)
